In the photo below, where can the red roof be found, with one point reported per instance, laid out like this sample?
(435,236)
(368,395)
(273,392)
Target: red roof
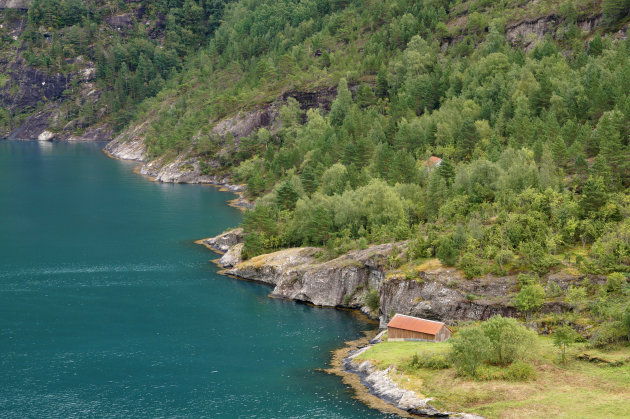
(432,161)
(415,324)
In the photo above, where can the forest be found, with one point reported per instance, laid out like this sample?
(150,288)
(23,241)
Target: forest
(532,135)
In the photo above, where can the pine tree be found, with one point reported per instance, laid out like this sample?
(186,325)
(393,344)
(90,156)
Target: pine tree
(581,166)
(382,85)
(538,151)
(447,171)
(594,195)
(559,151)
(341,105)
(287,196)
(382,160)
(309,180)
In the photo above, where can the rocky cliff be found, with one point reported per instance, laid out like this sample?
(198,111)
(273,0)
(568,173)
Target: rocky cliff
(188,167)
(34,97)
(436,292)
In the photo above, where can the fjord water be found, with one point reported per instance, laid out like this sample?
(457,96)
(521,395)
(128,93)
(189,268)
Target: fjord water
(108,309)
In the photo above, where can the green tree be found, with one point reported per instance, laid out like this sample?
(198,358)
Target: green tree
(447,253)
(509,340)
(594,195)
(309,179)
(341,105)
(470,349)
(447,171)
(563,337)
(530,298)
(287,196)
(334,179)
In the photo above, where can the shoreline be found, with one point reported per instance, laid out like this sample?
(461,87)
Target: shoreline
(340,357)
(240,202)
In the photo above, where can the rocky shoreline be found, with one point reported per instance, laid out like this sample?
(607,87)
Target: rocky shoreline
(379,384)
(303,275)
(180,170)
(368,381)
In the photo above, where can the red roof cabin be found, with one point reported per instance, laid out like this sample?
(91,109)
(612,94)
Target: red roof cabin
(432,162)
(403,327)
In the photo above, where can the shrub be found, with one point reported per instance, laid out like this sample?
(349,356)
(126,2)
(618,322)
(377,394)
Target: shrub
(609,333)
(372,300)
(520,371)
(615,283)
(470,349)
(447,253)
(509,340)
(530,298)
(434,362)
(470,265)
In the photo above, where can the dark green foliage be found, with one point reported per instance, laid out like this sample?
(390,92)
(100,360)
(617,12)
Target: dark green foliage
(615,10)
(372,299)
(287,196)
(447,252)
(497,341)
(534,143)
(434,362)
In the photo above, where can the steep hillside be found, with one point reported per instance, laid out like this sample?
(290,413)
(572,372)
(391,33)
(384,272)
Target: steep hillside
(492,136)
(78,69)
(523,105)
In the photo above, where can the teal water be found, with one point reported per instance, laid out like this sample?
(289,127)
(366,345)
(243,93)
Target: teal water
(107,308)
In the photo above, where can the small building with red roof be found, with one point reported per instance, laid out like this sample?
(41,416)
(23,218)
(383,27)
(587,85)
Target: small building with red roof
(432,162)
(402,327)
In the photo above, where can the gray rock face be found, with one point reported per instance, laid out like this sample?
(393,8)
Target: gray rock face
(243,124)
(225,241)
(298,275)
(126,150)
(15,4)
(232,257)
(529,32)
(438,293)
(431,297)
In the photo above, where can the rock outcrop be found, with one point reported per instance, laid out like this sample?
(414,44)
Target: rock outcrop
(528,32)
(15,4)
(232,257)
(441,294)
(224,241)
(297,274)
(379,383)
(35,96)
(435,292)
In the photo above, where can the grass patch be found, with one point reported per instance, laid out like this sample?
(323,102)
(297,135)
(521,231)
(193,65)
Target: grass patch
(577,389)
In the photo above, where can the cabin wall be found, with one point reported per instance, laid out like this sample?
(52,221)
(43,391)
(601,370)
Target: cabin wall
(443,334)
(401,334)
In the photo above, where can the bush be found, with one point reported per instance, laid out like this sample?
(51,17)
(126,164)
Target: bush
(447,252)
(609,333)
(372,300)
(530,298)
(471,265)
(615,283)
(509,340)
(470,349)
(520,371)
(434,362)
